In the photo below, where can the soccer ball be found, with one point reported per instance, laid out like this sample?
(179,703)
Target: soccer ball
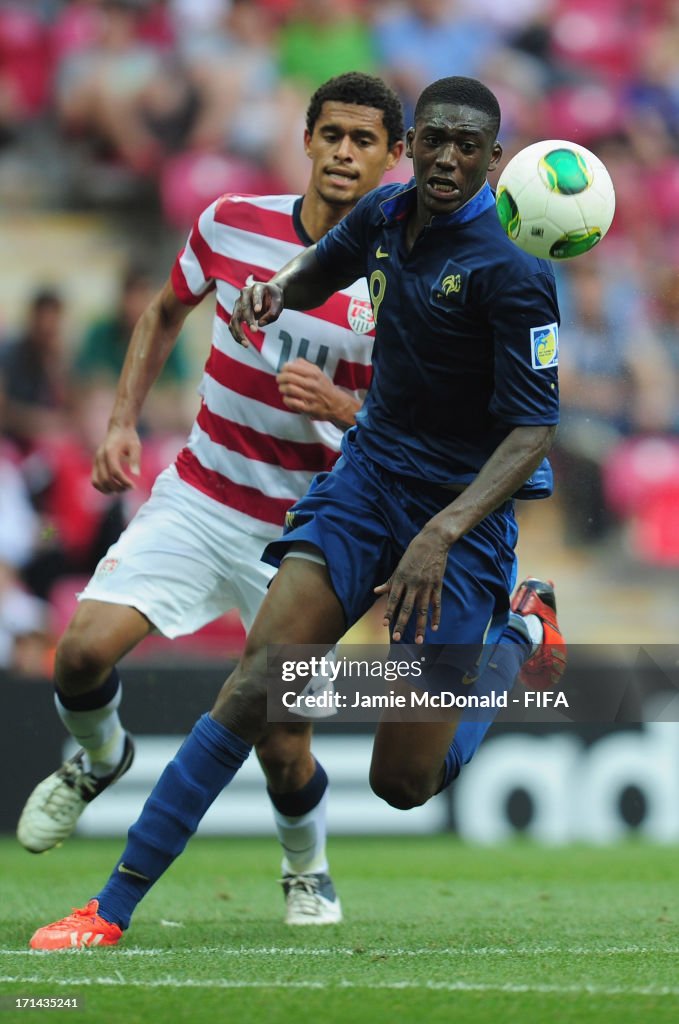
(555,199)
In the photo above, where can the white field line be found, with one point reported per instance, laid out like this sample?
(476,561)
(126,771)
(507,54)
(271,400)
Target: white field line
(263,951)
(431,986)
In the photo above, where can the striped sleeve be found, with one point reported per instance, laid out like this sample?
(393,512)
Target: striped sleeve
(192,274)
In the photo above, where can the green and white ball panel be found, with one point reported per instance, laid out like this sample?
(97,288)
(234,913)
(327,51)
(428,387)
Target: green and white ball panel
(508,212)
(555,199)
(565,171)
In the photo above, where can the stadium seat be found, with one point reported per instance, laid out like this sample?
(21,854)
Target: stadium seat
(594,38)
(641,486)
(584,112)
(191,181)
(662,192)
(654,532)
(25,60)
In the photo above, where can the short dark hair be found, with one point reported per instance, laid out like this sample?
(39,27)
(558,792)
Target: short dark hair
(364,91)
(136,275)
(45,297)
(460,90)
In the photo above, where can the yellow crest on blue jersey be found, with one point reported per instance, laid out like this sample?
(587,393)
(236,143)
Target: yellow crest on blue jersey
(544,346)
(450,288)
(451,283)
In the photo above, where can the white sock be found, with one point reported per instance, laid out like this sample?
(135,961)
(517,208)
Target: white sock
(535,631)
(530,627)
(303,840)
(98,731)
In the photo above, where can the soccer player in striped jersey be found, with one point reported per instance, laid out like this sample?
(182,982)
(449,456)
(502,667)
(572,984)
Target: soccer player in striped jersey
(270,418)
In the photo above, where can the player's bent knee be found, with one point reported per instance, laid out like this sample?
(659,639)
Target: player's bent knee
(402,793)
(80,662)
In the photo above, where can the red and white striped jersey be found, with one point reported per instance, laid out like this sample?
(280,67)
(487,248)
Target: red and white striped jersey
(246,449)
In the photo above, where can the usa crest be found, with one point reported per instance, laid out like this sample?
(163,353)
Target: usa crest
(106,567)
(360,316)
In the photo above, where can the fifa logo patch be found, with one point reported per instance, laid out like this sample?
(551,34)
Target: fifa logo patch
(360,316)
(544,346)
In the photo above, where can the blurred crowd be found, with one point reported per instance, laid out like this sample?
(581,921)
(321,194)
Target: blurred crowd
(110,105)
(55,399)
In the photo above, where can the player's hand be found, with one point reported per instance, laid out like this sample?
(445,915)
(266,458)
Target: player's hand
(306,389)
(256,306)
(416,584)
(119,452)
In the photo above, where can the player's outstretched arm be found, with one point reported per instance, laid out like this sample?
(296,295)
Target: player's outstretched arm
(153,338)
(303,283)
(416,584)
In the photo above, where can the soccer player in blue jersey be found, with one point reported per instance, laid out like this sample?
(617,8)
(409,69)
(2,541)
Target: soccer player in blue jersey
(458,421)
(460,416)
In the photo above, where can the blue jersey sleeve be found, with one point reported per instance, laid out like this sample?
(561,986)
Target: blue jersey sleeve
(525,323)
(345,246)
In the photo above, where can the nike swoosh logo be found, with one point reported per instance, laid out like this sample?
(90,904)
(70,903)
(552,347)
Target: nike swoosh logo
(135,874)
(381,254)
(468,679)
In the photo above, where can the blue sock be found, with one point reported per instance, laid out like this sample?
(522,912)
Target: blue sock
(207,761)
(509,654)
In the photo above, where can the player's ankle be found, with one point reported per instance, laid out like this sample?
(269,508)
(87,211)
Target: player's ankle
(536,631)
(528,626)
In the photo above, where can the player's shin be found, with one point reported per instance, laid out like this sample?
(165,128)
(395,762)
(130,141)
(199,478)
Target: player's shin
(207,761)
(502,667)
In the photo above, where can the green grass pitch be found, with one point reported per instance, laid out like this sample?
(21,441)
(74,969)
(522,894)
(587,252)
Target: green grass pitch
(434,931)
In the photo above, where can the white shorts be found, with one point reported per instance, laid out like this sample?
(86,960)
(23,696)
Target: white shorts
(183,561)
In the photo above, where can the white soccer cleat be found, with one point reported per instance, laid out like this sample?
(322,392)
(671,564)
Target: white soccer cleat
(311,899)
(52,810)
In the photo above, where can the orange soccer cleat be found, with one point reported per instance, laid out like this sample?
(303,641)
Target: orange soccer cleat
(84,927)
(544,668)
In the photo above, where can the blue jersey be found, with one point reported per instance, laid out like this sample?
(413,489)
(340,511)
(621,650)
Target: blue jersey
(466,336)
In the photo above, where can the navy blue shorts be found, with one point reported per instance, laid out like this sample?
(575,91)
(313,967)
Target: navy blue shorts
(363,518)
